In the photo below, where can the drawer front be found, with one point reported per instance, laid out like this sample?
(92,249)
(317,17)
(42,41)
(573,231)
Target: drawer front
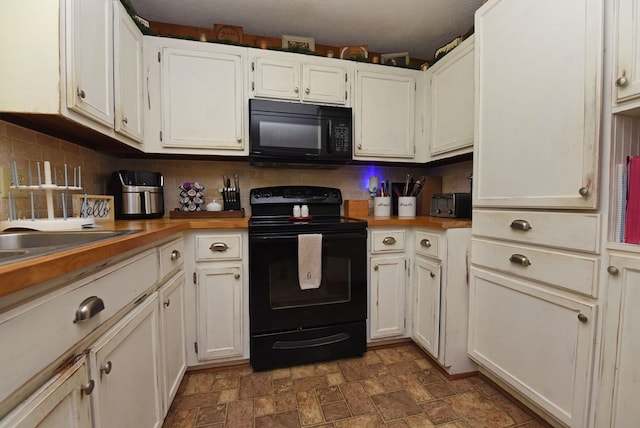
(39,332)
(171,257)
(218,247)
(429,244)
(387,241)
(571,231)
(572,272)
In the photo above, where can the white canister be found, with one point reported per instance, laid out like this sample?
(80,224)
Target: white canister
(296,211)
(406,206)
(382,206)
(304,211)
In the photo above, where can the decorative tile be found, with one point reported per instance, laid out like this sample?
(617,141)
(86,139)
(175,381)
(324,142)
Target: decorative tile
(354,370)
(227,396)
(239,414)
(372,386)
(226,382)
(255,385)
(510,408)
(357,398)
(478,411)
(329,394)
(418,421)
(389,383)
(395,405)
(414,388)
(195,400)
(371,358)
(439,412)
(282,385)
(211,414)
(400,423)
(365,421)
(308,408)
(279,420)
(426,377)
(440,389)
(483,385)
(335,411)
(263,406)
(309,383)
(280,373)
(300,372)
(184,418)
(326,368)
(403,367)
(198,382)
(285,401)
(335,379)
(389,355)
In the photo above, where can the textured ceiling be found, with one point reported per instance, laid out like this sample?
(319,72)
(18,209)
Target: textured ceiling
(386,26)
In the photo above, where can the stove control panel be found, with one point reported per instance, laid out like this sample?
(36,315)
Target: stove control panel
(296,195)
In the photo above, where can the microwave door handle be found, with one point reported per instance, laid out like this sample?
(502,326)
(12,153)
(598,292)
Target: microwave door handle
(329,139)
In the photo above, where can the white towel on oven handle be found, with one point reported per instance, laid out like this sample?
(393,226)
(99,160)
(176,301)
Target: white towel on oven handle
(309,260)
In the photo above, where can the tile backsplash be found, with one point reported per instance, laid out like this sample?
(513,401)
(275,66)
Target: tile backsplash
(26,147)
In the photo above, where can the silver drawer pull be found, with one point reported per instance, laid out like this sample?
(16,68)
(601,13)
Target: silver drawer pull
(175,255)
(88,308)
(583,191)
(425,243)
(106,368)
(219,247)
(520,260)
(87,388)
(520,225)
(389,240)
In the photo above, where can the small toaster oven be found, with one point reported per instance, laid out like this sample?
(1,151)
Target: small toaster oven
(453,205)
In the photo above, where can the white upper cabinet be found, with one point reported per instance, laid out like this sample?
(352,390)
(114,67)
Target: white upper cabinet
(128,78)
(90,59)
(627,77)
(451,102)
(300,78)
(196,97)
(538,101)
(385,112)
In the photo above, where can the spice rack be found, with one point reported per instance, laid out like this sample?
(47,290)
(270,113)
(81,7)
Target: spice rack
(48,186)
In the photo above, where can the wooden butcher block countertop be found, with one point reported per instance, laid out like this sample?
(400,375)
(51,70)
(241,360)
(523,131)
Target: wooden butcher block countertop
(21,275)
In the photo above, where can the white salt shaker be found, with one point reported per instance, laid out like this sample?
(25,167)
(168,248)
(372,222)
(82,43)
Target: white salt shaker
(296,210)
(304,211)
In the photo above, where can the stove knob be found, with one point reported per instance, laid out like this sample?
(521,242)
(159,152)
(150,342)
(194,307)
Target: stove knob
(438,211)
(257,195)
(334,195)
(450,211)
(267,194)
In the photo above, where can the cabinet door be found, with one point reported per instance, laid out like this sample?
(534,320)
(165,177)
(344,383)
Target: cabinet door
(202,99)
(219,306)
(538,103)
(384,114)
(89,53)
(62,402)
(276,78)
(124,367)
(618,403)
(427,305)
(539,343)
(127,43)
(173,336)
(386,305)
(324,84)
(628,55)
(452,108)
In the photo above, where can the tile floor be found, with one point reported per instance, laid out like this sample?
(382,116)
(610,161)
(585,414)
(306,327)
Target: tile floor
(395,386)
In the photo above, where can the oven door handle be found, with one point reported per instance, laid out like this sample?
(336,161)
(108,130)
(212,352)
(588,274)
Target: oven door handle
(311,343)
(344,235)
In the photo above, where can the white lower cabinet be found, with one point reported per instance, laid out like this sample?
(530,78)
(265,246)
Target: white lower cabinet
(387,296)
(219,321)
(537,341)
(123,364)
(426,327)
(618,397)
(61,402)
(172,337)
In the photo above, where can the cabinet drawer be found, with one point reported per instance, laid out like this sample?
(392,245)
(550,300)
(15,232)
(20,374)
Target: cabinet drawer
(387,241)
(218,247)
(428,244)
(569,271)
(571,231)
(38,332)
(171,257)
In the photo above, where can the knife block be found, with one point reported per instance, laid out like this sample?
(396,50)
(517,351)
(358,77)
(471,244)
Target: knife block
(229,204)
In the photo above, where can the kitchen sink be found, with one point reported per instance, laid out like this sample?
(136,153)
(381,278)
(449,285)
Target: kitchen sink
(16,246)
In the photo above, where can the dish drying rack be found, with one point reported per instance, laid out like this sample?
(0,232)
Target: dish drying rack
(48,186)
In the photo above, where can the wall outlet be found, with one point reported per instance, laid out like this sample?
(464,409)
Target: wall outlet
(6,180)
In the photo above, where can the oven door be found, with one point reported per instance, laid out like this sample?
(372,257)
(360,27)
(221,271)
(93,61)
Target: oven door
(277,303)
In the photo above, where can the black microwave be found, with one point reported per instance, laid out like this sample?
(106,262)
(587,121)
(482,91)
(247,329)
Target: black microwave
(295,133)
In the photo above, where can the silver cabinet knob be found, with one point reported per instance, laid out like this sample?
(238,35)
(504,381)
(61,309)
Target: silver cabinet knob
(167,302)
(236,276)
(219,247)
(106,368)
(520,259)
(582,318)
(238,140)
(87,388)
(175,255)
(88,308)
(359,146)
(81,93)
(612,270)
(584,191)
(296,90)
(520,225)
(125,120)
(307,91)
(425,243)
(621,81)
(375,267)
(389,240)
